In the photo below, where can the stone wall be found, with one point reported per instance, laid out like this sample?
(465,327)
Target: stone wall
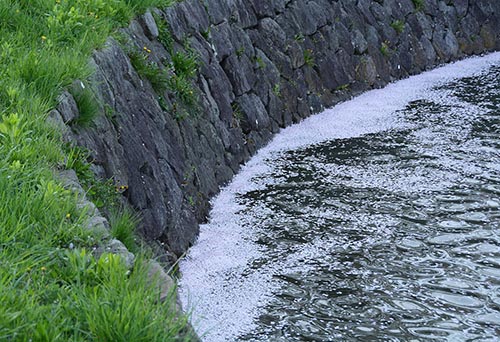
(264,64)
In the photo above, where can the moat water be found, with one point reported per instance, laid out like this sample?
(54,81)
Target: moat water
(377,220)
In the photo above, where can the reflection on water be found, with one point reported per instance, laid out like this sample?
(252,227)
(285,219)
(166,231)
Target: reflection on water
(388,236)
(402,228)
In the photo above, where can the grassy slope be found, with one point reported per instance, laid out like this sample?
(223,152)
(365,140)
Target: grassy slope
(49,291)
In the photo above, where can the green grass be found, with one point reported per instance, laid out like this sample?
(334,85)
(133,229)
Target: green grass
(51,286)
(277,90)
(101,192)
(309,58)
(185,64)
(87,103)
(148,70)
(123,223)
(419,4)
(182,87)
(260,64)
(385,50)
(299,37)
(398,26)
(165,37)
(176,76)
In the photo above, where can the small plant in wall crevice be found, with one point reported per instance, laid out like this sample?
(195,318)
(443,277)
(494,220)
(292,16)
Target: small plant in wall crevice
(398,26)
(309,58)
(385,49)
(87,103)
(419,4)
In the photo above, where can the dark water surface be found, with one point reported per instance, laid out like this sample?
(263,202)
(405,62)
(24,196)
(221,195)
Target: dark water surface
(387,236)
(405,226)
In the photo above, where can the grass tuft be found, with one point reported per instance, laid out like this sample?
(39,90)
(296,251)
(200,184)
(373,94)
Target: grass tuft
(309,58)
(123,224)
(164,37)
(87,103)
(398,26)
(151,71)
(182,88)
(385,50)
(185,64)
(419,4)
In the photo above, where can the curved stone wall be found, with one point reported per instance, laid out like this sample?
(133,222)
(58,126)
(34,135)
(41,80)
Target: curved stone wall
(263,65)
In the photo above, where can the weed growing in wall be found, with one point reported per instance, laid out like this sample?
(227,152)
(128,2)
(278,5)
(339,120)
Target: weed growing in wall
(309,58)
(182,88)
(149,70)
(398,26)
(240,51)
(87,103)
(343,87)
(277,90)
(164,35)
(237,114)
(184,66)
(299,37)
(101,192)
(185,63)
(260,62)
(176,76)
(419,4)
(385,49)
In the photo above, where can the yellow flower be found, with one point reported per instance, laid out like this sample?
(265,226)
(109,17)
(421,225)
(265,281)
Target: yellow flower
(147,50)
(44,268)
(68,215)
(121,188)
(44,38)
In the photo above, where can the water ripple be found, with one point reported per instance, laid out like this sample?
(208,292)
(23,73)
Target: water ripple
(390,235)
